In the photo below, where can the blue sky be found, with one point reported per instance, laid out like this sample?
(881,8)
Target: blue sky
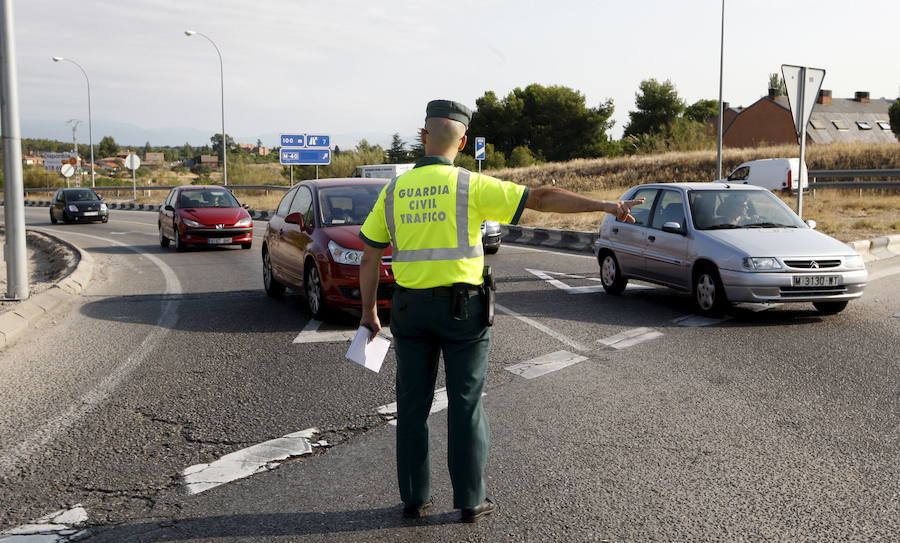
(366,68)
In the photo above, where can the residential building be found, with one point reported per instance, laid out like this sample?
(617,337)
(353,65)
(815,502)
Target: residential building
(32,160)
(209,160)
(154,159)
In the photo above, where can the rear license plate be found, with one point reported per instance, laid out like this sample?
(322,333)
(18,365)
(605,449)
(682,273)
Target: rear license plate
(218,241)
(91,213)
(817,280)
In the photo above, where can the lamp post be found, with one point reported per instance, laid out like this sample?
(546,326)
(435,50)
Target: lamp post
(222,89)
(90,128)
(721,104)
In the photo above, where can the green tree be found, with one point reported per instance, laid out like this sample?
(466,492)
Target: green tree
(397,152)
(657,104)
(520,157)
(107,147)
(702,111)
(216,141)
(187,151)
(894,116)
(494,159)
(147,149)
(777,82)
(554,122)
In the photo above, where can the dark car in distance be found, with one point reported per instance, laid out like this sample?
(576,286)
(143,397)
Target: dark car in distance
(77,204)
(312,244)
(203,215)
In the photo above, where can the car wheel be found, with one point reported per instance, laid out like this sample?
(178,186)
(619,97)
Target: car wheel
(491,250)
(247,245)
(709,294)
(53,218)
(163,240)
(272,286)
(179,245)
(66,218)
(105,219)
(611,274)
(315,298)
(830,308)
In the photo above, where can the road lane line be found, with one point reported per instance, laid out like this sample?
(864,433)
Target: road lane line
(550,332)
(258,458)
(312,334)
(512,245)
(32,443)
(697,321)
(55,527)
(543,365)
(629,338)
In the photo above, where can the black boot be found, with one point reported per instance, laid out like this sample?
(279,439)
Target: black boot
(416,510)
(483,509)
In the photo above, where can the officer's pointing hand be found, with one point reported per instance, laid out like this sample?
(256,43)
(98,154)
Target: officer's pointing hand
(623,209)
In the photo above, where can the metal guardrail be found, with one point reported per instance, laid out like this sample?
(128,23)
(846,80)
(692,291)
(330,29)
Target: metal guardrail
(837,174)
(854,185)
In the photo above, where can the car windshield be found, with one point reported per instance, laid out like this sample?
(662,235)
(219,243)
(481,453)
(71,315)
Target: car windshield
(84,195)
(722,209)
(207,198)
(347,204)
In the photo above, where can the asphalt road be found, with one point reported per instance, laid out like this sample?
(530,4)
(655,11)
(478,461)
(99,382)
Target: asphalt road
(770,425)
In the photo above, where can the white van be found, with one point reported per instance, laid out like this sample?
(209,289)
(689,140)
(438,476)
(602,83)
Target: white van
(382,171)
(771,173)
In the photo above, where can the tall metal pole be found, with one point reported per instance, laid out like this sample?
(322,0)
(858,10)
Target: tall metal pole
(14,251)
(90,121)
(721,103)
(801,170)
(222,91)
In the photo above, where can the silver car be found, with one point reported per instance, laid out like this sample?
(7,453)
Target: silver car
(727,243)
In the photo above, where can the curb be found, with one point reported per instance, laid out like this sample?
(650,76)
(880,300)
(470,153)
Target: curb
(14,322)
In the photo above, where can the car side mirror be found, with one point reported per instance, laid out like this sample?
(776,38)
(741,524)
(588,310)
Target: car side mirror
(295,218)
(810,223)
(245,206)
(169,207)
(673,227)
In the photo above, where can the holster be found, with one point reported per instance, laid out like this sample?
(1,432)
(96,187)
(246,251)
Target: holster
(488,294)
(459,295)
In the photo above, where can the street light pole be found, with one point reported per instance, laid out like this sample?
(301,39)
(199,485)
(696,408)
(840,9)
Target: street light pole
(721,104)
(90,123)
(222,92)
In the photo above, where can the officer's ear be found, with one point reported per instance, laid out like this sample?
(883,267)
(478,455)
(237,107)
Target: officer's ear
(462,143)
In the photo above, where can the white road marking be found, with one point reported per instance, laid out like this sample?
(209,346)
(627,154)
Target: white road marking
(550,332)
(312,334)
(439,403)
(697,320)
(31,444)
(757,308)
(548,250)
(549,277)
(543,365)
(897,315)
(57,527)
(261,457)
(630,338)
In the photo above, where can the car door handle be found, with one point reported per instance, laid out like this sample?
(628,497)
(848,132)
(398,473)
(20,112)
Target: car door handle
(615,230)
(651,238)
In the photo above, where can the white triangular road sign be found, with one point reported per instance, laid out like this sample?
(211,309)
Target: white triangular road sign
(802,86)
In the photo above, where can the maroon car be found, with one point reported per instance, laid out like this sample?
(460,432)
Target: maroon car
(204,215)
(312,244)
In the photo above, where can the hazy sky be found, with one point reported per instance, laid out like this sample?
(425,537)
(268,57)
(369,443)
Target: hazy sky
(366,68)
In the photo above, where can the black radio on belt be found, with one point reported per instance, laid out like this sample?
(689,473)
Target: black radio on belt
(488,293)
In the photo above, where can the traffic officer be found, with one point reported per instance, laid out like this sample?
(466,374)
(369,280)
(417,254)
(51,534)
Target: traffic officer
(431,217)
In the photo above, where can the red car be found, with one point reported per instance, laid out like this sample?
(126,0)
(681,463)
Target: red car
(204,215)
(312,244)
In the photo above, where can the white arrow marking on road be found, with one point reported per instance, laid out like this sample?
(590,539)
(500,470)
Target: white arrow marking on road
(439,403)
(549,277)
(629,338)
(246,462)
(54,528)
(543,365)
(312,334)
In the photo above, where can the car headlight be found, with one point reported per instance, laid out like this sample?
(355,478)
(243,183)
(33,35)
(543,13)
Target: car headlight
(189,222)
(73,208)
(342,255)
(103,207)
(244,222)
(761,263)
(854,262)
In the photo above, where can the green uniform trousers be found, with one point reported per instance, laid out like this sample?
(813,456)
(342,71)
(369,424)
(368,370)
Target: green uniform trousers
(423,329)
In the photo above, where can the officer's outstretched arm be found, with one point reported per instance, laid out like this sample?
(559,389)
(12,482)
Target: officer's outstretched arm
(368,287)
(557,200)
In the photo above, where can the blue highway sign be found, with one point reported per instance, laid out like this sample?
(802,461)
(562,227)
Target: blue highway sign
(305,157)
(318,141)
(293,140)
(479,148)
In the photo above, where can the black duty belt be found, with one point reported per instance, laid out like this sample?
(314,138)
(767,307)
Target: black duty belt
(437,291)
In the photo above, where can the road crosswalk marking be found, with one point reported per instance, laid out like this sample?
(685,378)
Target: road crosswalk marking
(543,365)
(312,334)
(246,462)
(629,338)
(551,278)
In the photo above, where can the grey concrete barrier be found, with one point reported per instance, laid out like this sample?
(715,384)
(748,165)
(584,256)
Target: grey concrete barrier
(548,237)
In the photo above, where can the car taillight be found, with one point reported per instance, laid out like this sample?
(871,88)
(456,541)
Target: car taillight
(790,181)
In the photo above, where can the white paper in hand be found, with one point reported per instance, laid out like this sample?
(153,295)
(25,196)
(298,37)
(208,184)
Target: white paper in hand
(369,354)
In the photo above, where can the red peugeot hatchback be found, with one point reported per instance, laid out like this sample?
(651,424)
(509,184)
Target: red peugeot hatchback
(312,244)
(204,215)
